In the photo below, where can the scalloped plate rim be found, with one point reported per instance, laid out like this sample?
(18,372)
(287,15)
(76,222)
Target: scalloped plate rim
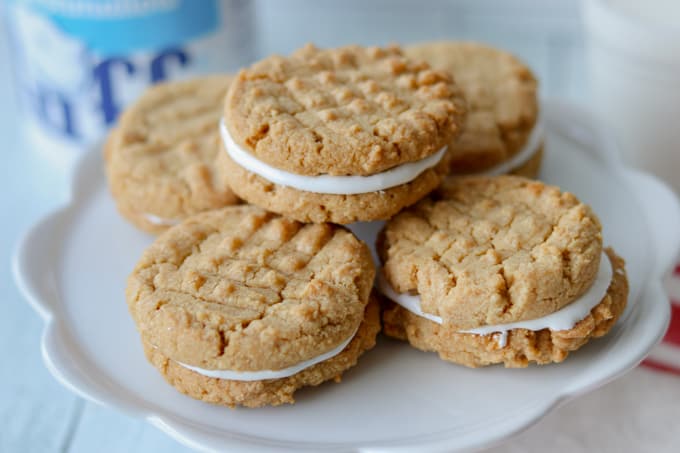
(190,435)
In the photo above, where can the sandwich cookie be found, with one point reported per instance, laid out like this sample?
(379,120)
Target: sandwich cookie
(160,159)
(502,132)
(239,306)
(499,270)
(339,135)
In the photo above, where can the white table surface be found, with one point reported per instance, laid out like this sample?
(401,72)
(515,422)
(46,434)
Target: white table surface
(38,415)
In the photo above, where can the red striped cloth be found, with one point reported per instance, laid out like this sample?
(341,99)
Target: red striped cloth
(666,356)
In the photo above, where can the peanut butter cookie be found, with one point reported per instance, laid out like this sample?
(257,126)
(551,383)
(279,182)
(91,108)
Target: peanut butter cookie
(485,259)
(160,159)
(340,135)
(245,302)
(500,133)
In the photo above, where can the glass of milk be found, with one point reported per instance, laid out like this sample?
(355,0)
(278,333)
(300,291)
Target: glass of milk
(633,56)
(78,63)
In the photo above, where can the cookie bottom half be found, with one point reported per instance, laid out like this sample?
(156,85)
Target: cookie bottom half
(310,207)
(531,167)
(138,200)
(272,391)
(142,220)
(522,346)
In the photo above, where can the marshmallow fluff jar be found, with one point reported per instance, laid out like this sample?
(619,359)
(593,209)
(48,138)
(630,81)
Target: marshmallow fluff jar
(339,135)
(499,270)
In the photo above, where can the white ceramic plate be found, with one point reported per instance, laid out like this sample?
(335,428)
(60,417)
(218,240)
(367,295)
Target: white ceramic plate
(72,267)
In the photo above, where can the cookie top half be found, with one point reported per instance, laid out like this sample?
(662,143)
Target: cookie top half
(243,289)
(485,250)
(344,111)
(501,96)
(160,158)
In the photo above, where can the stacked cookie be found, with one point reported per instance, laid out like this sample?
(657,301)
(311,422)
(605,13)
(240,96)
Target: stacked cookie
(245,304)
(502,131)
(340,135)
(242,306)
(160,159)
(499,270)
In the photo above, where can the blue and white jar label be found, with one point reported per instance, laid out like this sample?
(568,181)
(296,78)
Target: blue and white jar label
(80,62)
